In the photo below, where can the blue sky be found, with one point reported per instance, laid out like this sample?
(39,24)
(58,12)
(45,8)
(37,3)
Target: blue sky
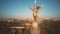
(20,8)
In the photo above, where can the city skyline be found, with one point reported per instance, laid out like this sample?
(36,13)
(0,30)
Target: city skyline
(20,8)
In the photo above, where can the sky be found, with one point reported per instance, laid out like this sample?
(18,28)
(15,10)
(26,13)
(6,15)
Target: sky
(21,8)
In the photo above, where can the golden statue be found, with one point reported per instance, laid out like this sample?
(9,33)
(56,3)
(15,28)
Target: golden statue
(34,26)
(35,11)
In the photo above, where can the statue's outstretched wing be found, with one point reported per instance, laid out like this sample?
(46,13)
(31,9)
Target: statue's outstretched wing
(39,7)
